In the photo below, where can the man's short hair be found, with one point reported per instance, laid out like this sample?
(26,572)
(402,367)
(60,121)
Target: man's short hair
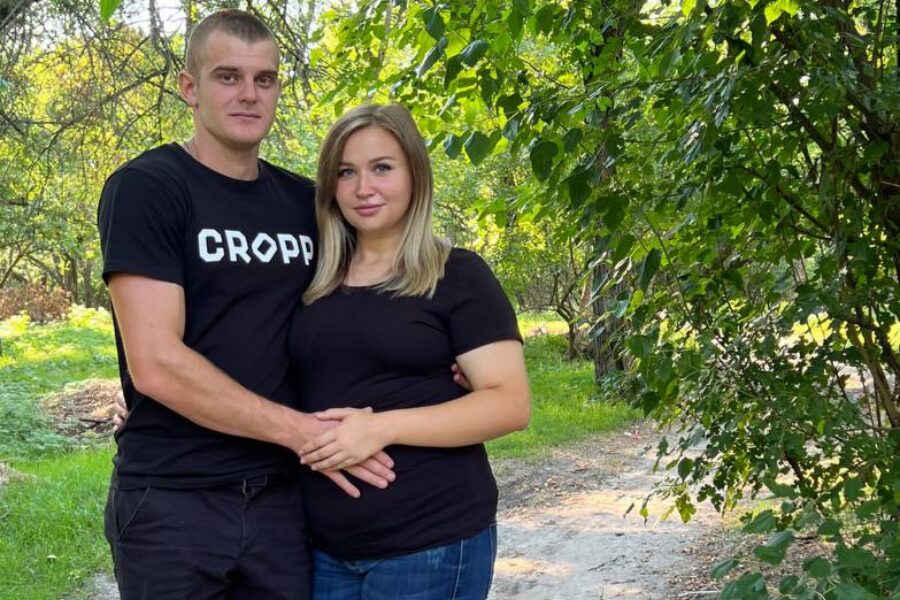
(234,22)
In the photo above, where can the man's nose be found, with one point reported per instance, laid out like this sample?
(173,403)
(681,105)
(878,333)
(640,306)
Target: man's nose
(248,91)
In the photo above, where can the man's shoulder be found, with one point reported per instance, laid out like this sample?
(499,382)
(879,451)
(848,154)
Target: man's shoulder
(289,177)
(161,164)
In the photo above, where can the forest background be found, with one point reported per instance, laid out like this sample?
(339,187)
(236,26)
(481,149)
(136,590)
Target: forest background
(707,192)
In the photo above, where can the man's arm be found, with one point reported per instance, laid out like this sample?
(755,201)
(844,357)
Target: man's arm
(151,319)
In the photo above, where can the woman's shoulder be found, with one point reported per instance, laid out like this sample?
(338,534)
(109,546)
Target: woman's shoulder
(464,267)
(464,258)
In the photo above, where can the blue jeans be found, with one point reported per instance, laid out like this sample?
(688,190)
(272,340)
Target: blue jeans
(458,571)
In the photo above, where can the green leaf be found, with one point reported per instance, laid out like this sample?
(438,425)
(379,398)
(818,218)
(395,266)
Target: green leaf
(779,490)
(685,465)
(579,186)
(829,527)
(817,567)
(542,155)
(722,569)
(772,556)
(516,21)
(790,584)
(432,57)
(687,7)
(848,590)
(762,523)
(107,8)
(649,268)
(855,558)
(852,488)
(434,24)
(453,145)
(478,146)
(545,17)
(571,139)
(472,53)
(748,586)
(452,70)
(776,8)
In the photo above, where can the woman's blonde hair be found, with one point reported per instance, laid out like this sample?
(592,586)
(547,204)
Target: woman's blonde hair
(419,263)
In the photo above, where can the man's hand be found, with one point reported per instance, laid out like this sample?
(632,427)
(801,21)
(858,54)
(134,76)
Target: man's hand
(355,438)
(374,468)
(459,378)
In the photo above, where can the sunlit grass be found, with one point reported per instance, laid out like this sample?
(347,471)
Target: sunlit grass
(565,402)
(40,359)
(51,525)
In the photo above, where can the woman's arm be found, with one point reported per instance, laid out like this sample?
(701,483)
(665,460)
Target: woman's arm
(499,404)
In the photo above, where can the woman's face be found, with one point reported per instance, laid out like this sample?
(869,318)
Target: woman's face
(374,183)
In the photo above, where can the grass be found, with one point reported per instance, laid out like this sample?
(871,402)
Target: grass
(51,525)
(39,359)
(51,538)
(566,405)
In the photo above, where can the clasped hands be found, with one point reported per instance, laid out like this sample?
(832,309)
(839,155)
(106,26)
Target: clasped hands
(354,438)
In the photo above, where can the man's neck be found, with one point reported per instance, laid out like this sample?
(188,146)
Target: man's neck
(231,162)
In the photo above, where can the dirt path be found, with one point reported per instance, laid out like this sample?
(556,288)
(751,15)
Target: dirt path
(562,534)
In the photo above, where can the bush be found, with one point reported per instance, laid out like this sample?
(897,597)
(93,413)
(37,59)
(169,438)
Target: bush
(40,303)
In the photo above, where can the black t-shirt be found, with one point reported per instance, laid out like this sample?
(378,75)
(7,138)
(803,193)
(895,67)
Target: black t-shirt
(243,252)
(359,347)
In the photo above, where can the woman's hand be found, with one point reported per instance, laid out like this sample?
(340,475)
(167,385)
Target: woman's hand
(120,413)
(356,438)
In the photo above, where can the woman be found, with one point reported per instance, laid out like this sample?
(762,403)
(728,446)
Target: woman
(389,307)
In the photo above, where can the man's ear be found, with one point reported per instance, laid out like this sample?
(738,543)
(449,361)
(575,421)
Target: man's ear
(187,85)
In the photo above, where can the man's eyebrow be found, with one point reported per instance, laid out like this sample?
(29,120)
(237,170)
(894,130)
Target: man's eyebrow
(229,69)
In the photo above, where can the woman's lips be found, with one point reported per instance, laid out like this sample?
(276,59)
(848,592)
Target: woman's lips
(367,210)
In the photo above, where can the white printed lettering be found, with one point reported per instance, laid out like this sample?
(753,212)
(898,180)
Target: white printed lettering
(203,239)
(289,247)
(212,244)
(237,246)
(307,245)
(258,241)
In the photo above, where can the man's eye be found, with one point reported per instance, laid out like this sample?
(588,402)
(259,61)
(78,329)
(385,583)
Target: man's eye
(266,82)
(227,78)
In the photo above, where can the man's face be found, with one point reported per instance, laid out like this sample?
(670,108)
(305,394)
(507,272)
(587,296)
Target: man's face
(235,93)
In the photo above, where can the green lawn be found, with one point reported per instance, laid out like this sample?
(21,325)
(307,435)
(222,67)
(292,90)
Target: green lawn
(51,538)
(39,359)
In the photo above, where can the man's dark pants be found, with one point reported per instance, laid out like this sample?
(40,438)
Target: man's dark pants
(242,540)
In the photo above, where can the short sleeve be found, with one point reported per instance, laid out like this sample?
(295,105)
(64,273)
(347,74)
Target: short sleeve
(480,313)
(142,227)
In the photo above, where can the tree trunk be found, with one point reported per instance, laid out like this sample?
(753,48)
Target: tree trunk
(87,284)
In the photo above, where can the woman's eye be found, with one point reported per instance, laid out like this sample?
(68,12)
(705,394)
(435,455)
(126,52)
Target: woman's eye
(344,173)
(382,168)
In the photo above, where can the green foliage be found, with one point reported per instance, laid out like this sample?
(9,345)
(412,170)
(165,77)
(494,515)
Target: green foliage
(566,405)
(51,525)
(39,359)
(730,169)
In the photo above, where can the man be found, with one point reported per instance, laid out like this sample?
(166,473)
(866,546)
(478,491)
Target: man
(207,250)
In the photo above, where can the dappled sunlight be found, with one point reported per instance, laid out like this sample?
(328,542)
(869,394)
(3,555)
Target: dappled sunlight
(513,566)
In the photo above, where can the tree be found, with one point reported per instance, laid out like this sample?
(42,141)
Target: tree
(733,165)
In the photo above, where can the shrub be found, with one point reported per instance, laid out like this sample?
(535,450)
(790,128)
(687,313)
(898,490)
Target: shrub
(40,303)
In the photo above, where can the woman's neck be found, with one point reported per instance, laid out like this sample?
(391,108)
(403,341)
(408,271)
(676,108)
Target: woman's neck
(373,260)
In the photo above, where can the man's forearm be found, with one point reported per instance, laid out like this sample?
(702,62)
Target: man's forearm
(186,382)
